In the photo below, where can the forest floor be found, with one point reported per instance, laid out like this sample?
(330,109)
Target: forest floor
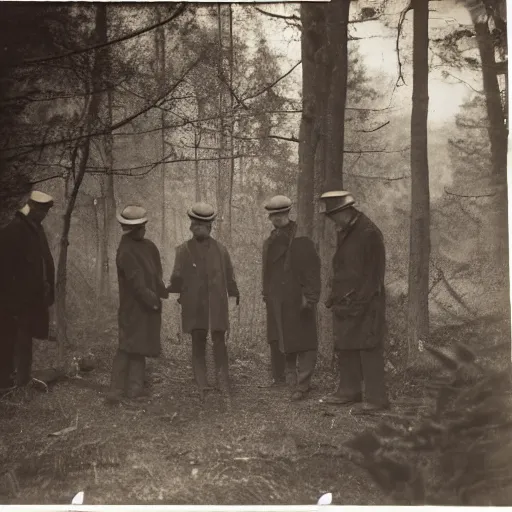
(175,449)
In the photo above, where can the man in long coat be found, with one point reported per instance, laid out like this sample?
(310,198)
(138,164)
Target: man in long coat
(291,290)
(357,299)
(27,280)
(141,288)
(203,275)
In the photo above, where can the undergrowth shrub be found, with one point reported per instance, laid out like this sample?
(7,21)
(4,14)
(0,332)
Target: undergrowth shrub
(457,450)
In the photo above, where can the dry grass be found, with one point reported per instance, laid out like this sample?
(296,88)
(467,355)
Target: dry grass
(175,449)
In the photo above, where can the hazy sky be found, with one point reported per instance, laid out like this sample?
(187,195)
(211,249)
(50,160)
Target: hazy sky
(378,51)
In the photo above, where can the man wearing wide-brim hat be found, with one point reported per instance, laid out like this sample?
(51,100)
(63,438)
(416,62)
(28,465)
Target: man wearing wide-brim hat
(357,300)
(27,280)
(204,277)
(141,288)
(291,290)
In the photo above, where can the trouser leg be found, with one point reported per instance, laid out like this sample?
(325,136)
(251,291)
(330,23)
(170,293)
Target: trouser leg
(277,362)
(349,364)
(306,367)
(220,356)
(199,357)
(7,344)
(375,391)
(136,373)
(119,375)
(291,369)
(23,356)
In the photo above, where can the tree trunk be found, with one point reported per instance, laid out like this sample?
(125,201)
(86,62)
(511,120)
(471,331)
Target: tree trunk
(337,39)
(61,278)
(419,255)
(495,113)
(231,132)
(99,211)
(498,137)
(321,141)
(109,205)
(307,147)
(223,167)
(161,66)
(107,200)
(196,166)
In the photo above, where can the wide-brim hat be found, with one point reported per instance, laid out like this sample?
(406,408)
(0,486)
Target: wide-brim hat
(41,198)
(132,216)
(202,211)
(278,204)
(334,201)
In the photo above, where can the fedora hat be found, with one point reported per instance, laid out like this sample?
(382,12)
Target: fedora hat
(279,204)
(202,211)
(335,200)
(132,216)
(41,198)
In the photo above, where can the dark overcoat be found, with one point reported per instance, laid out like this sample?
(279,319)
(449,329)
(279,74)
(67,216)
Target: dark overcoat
(357,295)
(204,277)
(27,274)
(141,288)
(291,276)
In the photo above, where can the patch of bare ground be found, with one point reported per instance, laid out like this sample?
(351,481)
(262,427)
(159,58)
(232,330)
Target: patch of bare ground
(175,449)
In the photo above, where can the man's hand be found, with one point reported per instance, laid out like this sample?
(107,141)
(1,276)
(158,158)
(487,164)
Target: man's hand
(306,304)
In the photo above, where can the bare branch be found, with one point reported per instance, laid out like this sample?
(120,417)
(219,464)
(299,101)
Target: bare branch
(179,10)
(374,129)
(279,16)
(381,178)
(115,126)
(203,120)
(376,151)
(268,87)
(472,196)
(401,22)
(127,171)
(153,165)
(459,80)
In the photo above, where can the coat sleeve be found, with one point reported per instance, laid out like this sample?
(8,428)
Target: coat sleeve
(264,283)
(374,264)
(176,281)
(135,279)
(162,290)
(309,271)
(230,276)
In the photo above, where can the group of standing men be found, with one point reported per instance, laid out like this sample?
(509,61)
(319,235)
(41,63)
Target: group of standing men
(356,297)
(204,278)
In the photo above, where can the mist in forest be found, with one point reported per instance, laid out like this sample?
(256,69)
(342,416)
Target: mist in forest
(165,105)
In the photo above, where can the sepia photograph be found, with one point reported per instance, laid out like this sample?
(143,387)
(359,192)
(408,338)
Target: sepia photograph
(254,253)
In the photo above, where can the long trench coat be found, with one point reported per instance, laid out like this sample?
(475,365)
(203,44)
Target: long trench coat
(357,295)
(291,276)
(27,275)
(204,277)
(141,288)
